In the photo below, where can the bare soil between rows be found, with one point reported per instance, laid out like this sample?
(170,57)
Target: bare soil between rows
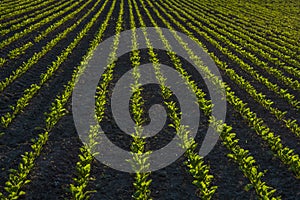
(55,167)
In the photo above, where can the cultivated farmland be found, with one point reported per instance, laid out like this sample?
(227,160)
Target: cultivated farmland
(46,44)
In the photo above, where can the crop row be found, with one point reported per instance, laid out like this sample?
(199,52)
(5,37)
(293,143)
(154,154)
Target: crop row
(35,26)
(18,10)
(242,47)
(241,21)
(248,39)
(54,8)
(36,57)
(287,155)
(18,51)
(141,180)
(83,166)
(27,16)
(245,161)
(283,93)
(29,93)
(262,21)
(259,97)
(18,177)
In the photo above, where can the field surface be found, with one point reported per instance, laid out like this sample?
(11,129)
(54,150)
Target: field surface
(255,44)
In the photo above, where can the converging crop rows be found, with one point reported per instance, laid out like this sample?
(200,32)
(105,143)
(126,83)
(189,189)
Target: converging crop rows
(47,45)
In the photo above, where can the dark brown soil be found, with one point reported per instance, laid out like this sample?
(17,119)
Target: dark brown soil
(55,168)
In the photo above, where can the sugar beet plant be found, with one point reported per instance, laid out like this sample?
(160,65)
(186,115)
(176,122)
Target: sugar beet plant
(254,178)
(140,156)
(34,88)
(83,166)
(255,46)
(261,129)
